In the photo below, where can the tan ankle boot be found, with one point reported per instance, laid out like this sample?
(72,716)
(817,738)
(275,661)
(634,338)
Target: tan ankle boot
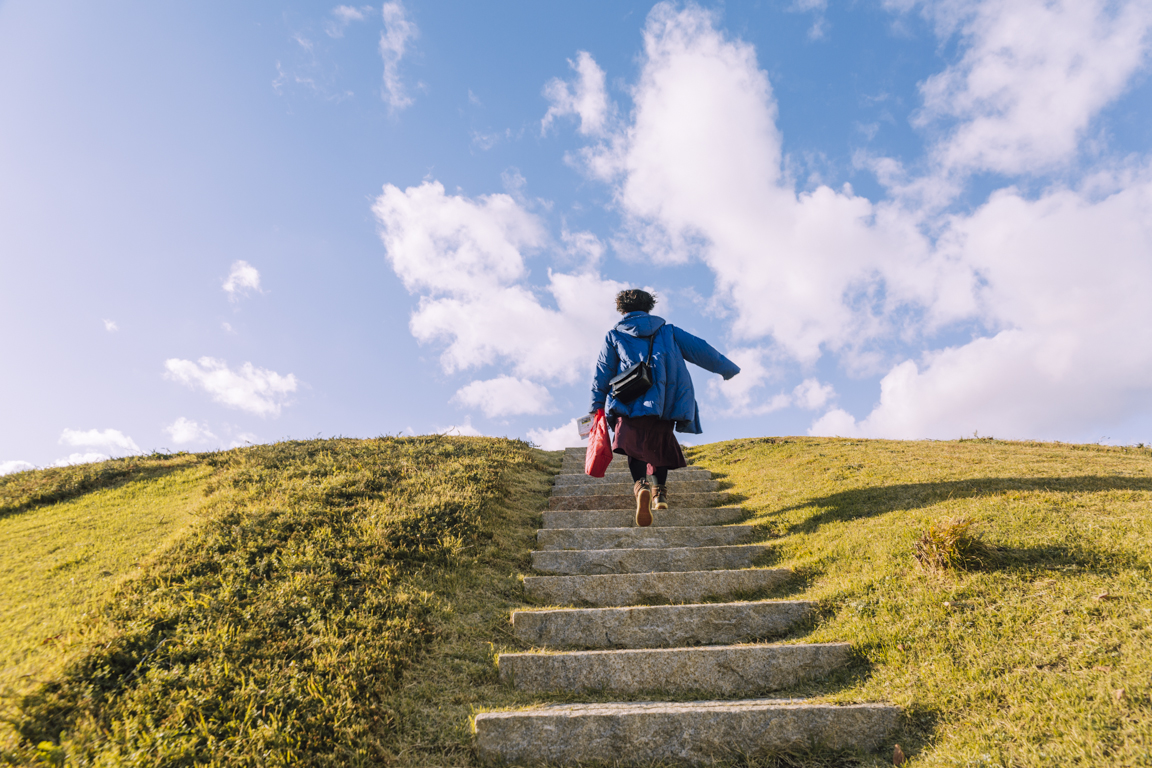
(643,503)
(659,497)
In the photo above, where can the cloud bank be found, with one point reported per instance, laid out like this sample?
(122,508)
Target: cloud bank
(1052,281)
(256,390)
(1023,313)
(110,440)
(185,431)
(465,258)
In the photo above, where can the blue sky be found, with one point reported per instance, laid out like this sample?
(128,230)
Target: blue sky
(229,223)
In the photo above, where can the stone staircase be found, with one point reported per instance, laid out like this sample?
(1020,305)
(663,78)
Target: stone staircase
(642,629)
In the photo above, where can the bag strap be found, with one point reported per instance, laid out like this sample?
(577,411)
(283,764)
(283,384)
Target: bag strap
(651,339)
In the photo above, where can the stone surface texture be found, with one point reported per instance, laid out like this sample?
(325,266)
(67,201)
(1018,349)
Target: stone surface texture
(643,538)
(726,670)
(676,487)
(635,588)
(692,733)
(628,500)
(600,561)
(579,478)
(659,626)
(676,645)
(614,470)
(624,518)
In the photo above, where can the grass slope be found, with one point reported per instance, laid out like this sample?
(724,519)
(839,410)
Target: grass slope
(343,602)
(280,628)
(59,561)
(1042,656)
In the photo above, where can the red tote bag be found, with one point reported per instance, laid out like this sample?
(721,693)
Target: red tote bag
(599,454)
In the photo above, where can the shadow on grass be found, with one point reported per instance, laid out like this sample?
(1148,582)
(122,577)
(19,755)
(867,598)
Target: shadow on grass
(1055,556)
(878,500)
(59,484)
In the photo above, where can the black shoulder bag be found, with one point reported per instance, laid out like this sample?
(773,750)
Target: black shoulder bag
(635,381)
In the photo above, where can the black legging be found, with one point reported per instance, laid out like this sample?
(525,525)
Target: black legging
(639,470)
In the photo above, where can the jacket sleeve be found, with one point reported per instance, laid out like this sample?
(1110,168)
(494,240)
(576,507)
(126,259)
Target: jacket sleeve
(607,366)
(701,353)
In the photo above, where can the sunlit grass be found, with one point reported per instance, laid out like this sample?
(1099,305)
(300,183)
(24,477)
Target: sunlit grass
(1040,654)
(60,561)
(278,630)
(344,602)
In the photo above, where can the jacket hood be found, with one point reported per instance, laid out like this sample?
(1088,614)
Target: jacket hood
(640,324)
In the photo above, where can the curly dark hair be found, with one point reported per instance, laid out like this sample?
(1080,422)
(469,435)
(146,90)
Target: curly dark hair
(635,300)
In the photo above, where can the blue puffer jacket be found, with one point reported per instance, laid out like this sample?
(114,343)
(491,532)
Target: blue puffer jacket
(671,395)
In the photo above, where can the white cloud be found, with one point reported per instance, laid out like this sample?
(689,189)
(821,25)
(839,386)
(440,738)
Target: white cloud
(111,440)
(244,439)
(465,258)
(461,430)
(342,16)
(564,436)
(243,277)
(1068,280)
(256,390)
(303,42)
(583,247)
(1032,76)
(8,467)
(184,431)
(587,98)
(506,396)
(821,271)
(820,23)
(81,458)
(398,30)
(743,391)
(810,394)
(1052,284)
(110,326)
(740,391)
(447,244)
(485,141)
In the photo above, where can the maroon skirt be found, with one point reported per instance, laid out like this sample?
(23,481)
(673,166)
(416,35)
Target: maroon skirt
(650,439)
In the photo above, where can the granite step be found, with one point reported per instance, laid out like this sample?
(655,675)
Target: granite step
(695,733)
(619,589)
(577,467)
(618,473)
(675,488)
(660,626)
(644,538)
(722,670)
(625,501)
(688,473)
(619,464)
(604,561)
(624,518)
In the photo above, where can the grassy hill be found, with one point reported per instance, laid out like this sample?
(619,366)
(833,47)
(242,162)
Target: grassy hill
(280,626)
(1036,650)
(61,560)
(341,602)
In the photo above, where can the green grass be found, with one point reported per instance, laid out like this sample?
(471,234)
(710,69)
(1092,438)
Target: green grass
(283,627)
(1040,655)
(343,602)
(59,562)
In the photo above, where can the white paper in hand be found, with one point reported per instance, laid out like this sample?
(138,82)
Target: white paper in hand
(584,424)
